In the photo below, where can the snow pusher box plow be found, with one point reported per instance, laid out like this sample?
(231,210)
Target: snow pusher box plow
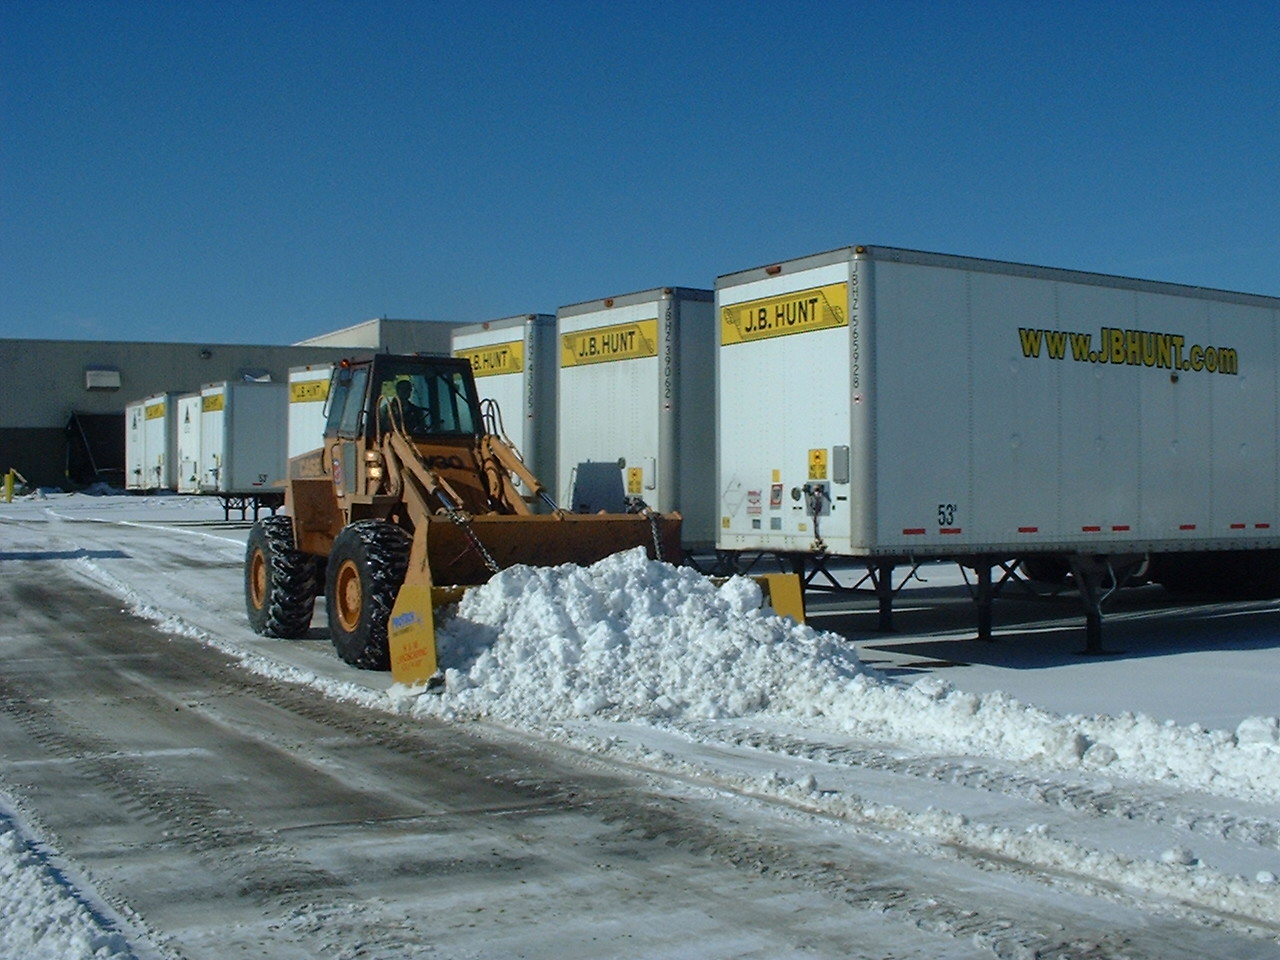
(411,499)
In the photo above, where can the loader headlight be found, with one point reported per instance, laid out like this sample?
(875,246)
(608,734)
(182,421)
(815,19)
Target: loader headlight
(375,471)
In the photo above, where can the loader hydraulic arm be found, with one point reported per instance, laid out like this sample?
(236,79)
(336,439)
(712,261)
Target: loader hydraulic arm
(495,450)
(417,479)
(411,627)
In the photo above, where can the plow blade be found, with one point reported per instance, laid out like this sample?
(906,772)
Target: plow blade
(411,635)
(543,541)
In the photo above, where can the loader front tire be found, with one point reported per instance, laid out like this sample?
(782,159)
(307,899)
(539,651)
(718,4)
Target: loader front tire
(366,569)
(280,583)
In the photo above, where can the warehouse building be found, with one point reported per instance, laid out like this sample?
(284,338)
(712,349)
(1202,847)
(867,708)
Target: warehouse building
(62,402)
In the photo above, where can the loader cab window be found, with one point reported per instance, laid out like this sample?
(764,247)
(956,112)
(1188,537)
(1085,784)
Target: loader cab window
(346,401)
(427,400)
(455,403)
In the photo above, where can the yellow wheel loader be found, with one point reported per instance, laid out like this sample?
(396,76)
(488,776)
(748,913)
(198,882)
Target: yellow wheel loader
(411,494)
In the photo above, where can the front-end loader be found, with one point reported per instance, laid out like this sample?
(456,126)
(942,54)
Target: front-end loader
(412,496)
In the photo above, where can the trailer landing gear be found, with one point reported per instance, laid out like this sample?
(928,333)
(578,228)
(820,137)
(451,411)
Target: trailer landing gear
(1097,577)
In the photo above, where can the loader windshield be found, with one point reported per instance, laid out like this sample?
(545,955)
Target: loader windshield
(426,399)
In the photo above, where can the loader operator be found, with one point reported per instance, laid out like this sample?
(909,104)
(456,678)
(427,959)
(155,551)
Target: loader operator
(414,417)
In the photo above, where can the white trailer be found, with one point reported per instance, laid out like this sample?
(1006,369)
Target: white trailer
(637,406)
(135,445)
(308,396)
(514,362)
(188,442)
(242,443)
(895,406)
(160,441)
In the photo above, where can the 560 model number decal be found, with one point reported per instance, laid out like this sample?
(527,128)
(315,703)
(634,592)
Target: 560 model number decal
(820,308)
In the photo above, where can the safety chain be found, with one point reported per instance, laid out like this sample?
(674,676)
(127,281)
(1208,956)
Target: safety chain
(657,540)
(462,520)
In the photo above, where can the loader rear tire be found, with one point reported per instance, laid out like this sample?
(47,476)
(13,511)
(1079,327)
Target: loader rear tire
(366,569)
(280,583)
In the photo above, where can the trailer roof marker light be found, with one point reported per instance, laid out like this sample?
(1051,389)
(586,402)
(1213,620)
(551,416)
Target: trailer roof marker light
(774,270)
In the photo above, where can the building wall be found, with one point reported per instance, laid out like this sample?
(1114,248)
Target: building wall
(39,454)
(43,382)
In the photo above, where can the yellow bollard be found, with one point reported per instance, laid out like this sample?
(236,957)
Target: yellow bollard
(8,487)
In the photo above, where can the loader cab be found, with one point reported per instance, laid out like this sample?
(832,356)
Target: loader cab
(429,396)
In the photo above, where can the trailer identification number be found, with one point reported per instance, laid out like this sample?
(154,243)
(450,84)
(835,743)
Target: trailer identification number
(495,359)
(623,341)
(819,308)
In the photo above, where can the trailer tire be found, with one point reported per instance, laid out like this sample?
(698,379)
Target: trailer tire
(365,570)
(1046,568)
(280,582)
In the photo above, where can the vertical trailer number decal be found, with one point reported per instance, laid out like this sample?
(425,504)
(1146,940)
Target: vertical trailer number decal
(819,308)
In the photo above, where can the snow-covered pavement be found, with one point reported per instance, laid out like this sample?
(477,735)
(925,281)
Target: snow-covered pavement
(652,666)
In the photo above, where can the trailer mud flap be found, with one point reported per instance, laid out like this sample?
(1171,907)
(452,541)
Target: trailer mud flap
(783,592)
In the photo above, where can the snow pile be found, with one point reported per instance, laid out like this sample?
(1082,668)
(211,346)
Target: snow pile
(43,917)
(629,638)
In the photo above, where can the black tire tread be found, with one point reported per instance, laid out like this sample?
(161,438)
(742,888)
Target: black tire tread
(381,551)
(293,581)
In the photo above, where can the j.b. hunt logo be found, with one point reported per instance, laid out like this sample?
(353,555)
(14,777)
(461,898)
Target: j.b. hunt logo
(1133,348)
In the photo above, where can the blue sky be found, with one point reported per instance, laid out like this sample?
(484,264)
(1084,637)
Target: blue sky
(261,172)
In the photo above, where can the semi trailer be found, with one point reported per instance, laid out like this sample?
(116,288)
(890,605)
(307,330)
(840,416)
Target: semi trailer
(894,406)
